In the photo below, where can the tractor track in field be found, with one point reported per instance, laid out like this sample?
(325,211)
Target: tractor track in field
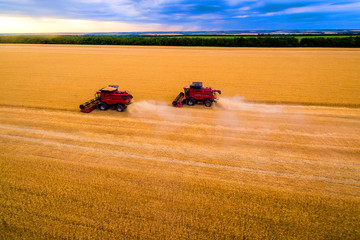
(98,151)
(56,139)
(186,123)
(149,135)
(169,146)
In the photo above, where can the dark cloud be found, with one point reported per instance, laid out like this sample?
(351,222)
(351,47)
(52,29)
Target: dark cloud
(306,17)
(276,7)
(207,9)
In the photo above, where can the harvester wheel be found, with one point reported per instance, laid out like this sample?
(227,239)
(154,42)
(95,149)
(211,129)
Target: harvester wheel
(103,106)
(190,101)
(120,108)
(208,103)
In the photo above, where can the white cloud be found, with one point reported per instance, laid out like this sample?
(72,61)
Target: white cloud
(244,9)
(48,25)
(22,1)
(242,16)
(131,8)
(156,3)
(323,8)
(235,2)
(205,16)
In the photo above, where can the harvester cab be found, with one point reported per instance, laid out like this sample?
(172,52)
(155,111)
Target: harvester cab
(196,93)
(108,97)
(196,85)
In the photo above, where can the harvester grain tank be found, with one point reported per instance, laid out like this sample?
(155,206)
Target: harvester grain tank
(108,97)
(196,93)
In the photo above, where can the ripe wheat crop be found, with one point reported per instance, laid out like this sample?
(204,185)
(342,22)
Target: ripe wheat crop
(276,158)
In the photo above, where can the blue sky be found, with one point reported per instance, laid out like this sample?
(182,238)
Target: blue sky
(175,15)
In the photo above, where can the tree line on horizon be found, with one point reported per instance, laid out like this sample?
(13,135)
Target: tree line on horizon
(216,41)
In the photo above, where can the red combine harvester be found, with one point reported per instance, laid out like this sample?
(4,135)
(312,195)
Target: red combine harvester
(108,97)
(196,93)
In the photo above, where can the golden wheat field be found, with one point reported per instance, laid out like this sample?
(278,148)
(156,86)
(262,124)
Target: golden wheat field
(278,157)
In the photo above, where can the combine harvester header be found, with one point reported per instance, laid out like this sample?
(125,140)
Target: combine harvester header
(196,93)
(108,97)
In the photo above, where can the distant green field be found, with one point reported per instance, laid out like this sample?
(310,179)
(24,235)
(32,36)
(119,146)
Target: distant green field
(325,36)
(256,36)
(215,41)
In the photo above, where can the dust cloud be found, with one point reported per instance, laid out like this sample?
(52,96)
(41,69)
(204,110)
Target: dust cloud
(231,110)
(238,103)
(166,116)
(150,108)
